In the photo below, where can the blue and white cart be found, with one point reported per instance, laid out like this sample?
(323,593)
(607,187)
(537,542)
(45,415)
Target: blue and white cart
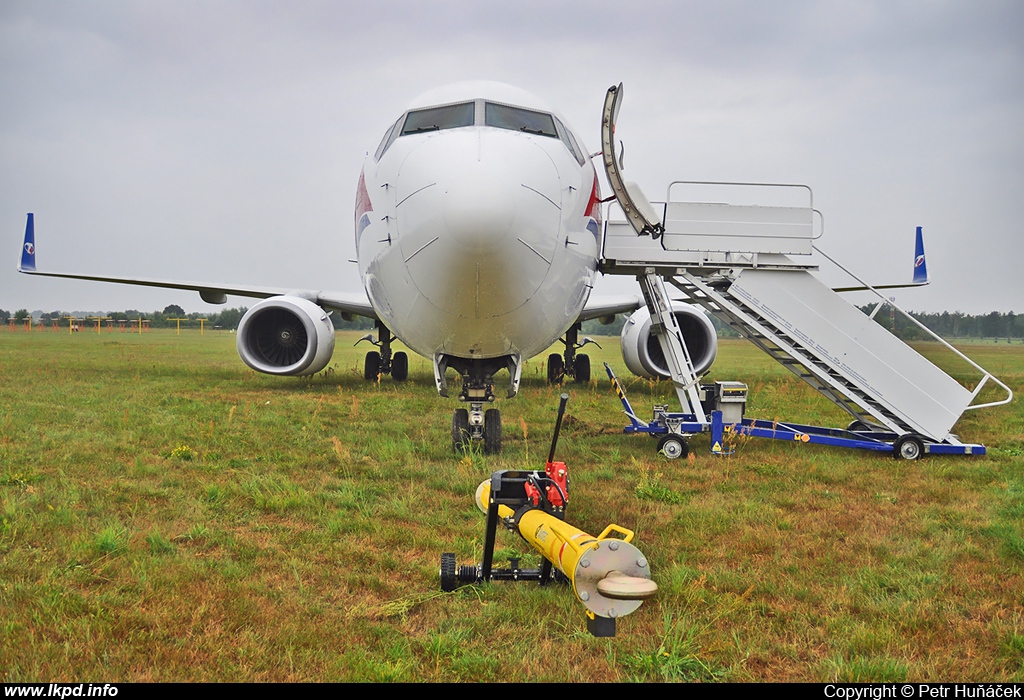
(724,403)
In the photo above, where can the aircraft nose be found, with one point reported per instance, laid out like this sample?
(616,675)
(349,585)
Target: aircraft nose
(478,216)
(478,206)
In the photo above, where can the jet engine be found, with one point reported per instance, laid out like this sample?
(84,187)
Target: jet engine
(286,335)
(641,349)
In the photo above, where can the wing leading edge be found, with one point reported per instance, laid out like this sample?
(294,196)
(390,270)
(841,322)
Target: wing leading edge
(598,308)
(346,302)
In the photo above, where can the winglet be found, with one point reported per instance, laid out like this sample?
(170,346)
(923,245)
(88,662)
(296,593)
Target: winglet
(920,268)
(28,250)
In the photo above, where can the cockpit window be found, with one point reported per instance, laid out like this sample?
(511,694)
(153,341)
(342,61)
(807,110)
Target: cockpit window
(570,142)
(386,141)
(496,115)
(437,118)
(518,119)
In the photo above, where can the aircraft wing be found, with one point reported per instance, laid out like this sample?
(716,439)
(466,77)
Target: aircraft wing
(865,288)
(350,303)
(920,271)
(609,306)
(354,303)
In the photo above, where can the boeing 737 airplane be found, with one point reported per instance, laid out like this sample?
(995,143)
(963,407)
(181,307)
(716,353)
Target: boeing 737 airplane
(477,226)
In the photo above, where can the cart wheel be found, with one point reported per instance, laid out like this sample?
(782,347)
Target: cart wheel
(908,447)
(673,447)
(448,579)
(857,427)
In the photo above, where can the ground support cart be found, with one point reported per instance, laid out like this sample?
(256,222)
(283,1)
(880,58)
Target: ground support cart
(721,403)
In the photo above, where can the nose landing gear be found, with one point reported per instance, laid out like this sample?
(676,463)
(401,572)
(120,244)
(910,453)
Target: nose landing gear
(476,423)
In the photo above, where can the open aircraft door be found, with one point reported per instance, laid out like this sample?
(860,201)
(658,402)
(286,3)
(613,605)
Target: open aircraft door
(639,212)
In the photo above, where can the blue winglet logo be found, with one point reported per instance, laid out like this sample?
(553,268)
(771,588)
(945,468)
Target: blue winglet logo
(920,268)
(28,250)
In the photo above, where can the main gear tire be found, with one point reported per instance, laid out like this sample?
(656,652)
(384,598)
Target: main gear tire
(400,367)
(556,369)
(582,375)
(371,366)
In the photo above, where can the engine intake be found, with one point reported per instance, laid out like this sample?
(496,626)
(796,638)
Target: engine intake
(286,335)
(641,349)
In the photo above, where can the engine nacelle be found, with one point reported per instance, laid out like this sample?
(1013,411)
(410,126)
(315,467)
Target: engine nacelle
(641,349)
(286,335)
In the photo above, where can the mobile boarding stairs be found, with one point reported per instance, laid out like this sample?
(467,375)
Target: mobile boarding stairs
(749,264)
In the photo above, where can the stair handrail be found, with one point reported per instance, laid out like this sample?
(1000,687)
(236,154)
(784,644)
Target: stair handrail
(986,374)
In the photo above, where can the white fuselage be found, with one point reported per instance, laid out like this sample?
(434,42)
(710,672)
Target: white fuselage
(475,240)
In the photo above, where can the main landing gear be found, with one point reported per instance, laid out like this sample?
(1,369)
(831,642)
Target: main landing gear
(383,361)
(569,363)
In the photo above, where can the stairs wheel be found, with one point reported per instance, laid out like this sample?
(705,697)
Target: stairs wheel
(908,447)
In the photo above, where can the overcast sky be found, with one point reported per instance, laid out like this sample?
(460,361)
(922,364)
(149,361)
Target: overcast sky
(222,141)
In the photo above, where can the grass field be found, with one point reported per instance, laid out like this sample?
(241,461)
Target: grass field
(169,515)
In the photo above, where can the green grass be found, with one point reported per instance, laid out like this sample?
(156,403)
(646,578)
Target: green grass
(167,514)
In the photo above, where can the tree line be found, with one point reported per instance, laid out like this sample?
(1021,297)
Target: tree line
(947,324)
(228,319)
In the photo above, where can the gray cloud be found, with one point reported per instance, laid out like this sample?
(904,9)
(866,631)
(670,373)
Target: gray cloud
(221,141)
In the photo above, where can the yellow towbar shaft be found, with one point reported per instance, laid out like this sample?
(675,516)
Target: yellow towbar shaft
(608,574)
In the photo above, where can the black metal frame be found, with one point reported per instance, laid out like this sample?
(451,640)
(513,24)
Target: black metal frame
(508,488)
